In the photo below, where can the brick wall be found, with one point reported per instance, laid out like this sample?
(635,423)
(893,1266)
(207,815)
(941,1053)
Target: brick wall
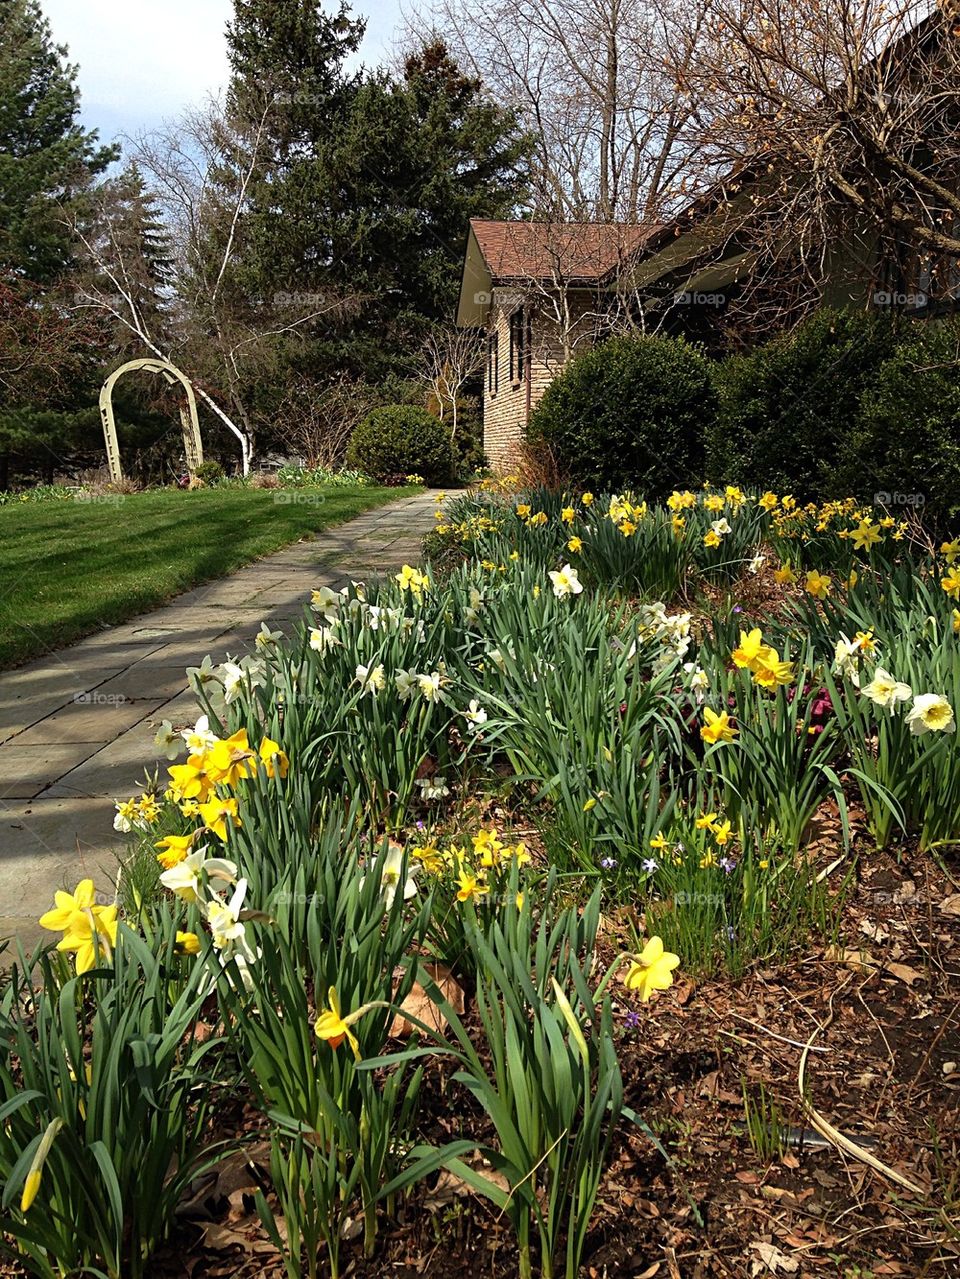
(506,408)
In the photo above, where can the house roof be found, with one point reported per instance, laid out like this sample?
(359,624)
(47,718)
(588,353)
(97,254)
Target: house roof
(518,253)
(571,251)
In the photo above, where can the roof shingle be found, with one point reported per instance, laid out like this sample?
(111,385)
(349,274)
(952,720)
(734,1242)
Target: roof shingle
(568,251)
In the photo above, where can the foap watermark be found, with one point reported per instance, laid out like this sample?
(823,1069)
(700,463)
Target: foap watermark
(883,498)
(298,497)
(96,698)
(699,899)
(884,298)
(688,298)
(100,499)
(284,298)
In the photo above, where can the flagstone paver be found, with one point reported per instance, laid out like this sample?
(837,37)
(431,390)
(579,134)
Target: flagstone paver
(77,726)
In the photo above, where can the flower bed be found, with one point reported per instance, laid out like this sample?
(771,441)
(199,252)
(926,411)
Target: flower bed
(416,872)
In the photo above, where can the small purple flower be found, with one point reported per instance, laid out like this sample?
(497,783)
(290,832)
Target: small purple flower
(421,825)
(731,933)
(608,863)
(737,608)
(632,1020)
(728,864)
(650,865)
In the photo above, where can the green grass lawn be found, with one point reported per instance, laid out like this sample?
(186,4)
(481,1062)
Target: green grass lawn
(67,568)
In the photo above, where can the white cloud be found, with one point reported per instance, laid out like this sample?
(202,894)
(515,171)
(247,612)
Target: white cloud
(141,61)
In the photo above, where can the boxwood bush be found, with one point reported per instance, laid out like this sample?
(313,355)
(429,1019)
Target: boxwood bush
(630,413)
(399,440)
(787,409)
(905,445)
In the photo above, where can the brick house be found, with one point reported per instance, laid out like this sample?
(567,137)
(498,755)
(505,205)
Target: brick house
(541,292)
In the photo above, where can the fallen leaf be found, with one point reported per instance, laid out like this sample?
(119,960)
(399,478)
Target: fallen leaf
(951,905)
(905,973)
(861,961)
(776,1262)
(418,1004)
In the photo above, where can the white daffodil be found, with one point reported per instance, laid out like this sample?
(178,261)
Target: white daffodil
(846,655)
(406,682)
(883,690)
(699,680)
(266,639)
(227,930)
(371,679)
(931,713)
(429,686)
(199,738)
(200,676)
(185,879)
(565,582)
(166,742)
(475,715)
(756,564)
(326,602)
(390,864)
(322,638)
(721,527)
(472,612)
(433,787)
(233,680)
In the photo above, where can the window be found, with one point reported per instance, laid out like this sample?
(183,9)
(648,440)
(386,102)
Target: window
(518,344)
(493,364)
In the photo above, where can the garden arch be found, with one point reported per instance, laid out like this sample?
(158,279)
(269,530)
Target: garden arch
(193,448)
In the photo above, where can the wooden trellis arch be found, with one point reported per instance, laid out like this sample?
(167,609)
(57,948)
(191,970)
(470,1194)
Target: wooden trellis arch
(193,448)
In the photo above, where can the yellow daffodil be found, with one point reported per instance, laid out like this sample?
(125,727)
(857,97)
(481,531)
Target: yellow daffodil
(745,656)
(32,1183)
(230,760)
(275,762)
(651,970)
(523,510)
(768,502)
(332,1027)
(658,843)
(173,849)
(951,582)
(705,821)
(89,930)
(188,943)
(575,545)
(865,535)
(951,550)
(587,499)
(470,886)
(217,813)
(711,538)
(817,584)
(568,515)
(717,728)
(784,575)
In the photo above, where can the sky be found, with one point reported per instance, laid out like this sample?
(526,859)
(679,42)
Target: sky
(141,62)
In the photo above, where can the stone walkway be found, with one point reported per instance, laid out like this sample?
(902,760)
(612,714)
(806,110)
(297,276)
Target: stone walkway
(77,727)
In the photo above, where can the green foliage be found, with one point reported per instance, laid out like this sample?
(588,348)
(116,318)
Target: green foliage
(787,409)
(108,1066)
(630,413)
(382,170)
(46,159)
(906,440)
(401,440)
(209,472)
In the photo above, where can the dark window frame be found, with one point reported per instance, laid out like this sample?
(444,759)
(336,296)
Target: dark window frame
(493,363)
(519,345)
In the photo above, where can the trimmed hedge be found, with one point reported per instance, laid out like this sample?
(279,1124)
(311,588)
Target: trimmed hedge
(630,413)
(787,409)
(400,440)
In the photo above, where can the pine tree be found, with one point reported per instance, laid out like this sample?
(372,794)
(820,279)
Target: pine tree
(46,158)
